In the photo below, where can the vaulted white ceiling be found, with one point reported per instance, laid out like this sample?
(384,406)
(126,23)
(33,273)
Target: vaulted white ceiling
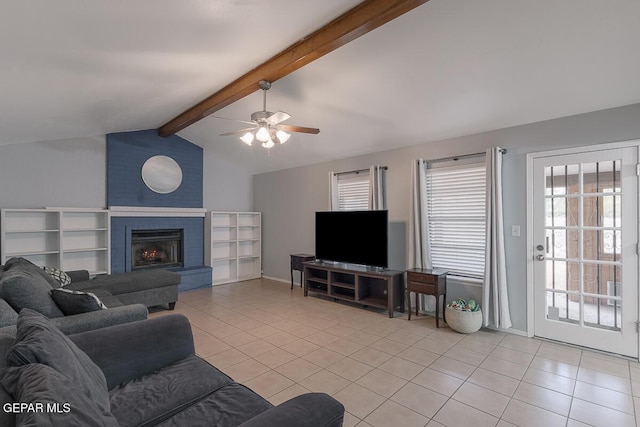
(448,68)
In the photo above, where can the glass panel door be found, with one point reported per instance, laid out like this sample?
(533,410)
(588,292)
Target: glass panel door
(585,268)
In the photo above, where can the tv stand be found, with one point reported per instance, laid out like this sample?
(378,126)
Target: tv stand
(369,286)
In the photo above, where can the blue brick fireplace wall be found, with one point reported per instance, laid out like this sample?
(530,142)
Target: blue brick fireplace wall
(126,153)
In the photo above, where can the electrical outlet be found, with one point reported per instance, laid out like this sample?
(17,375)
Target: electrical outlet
(515,230)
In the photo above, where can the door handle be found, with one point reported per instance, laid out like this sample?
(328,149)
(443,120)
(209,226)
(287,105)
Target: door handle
(540,257)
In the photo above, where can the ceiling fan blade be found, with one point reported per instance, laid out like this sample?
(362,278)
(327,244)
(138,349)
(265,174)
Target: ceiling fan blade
(234,120)
(300,129)
(235,132)
(277,117)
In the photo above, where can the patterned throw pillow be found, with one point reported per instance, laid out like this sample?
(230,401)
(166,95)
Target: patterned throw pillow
(62,277)
(76,302)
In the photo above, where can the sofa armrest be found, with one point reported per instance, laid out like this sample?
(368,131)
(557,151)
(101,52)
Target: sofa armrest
(78,275)
(306,410)
(131,350)
(91,320)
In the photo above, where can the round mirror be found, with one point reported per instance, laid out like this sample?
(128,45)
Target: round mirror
(162,174)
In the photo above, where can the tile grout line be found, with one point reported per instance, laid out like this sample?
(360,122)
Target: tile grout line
(229,306)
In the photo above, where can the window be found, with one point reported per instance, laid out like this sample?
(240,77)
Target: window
(353,191)
(456,217)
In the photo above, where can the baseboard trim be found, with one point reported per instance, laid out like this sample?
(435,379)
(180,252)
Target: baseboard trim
(277,279)
(509,331)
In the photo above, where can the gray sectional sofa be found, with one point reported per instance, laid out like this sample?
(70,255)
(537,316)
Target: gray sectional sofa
(144,373)
(25,285)
(149,287)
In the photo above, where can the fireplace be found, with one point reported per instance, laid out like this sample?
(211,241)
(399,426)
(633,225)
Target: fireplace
(156,248)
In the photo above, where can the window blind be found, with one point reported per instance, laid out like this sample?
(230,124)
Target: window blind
(353,192)
(456,217)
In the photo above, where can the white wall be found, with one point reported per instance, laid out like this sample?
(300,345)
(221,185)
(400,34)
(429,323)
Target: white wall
(289,198)
(227,185)
(70,173)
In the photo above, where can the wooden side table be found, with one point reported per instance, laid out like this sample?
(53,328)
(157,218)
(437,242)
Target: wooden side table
(296,264)
(429,282)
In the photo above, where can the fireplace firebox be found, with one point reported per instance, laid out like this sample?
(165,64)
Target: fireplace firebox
(156,248)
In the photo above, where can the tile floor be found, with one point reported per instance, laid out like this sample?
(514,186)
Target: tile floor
(394,372)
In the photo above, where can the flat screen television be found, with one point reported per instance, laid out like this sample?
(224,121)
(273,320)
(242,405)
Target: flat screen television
(356,237)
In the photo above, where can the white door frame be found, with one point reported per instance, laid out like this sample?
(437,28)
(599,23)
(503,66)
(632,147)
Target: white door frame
(530,239)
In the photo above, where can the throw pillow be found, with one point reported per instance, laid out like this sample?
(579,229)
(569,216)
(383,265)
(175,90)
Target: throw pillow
(23,264)
(39,341)
(55,400)
(27,289)
(8,315)
(76,302)
(60,276)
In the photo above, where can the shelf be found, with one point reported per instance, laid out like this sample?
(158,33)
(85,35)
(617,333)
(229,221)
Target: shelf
(223,259)
(318,290)
(374,302)
(84,250)
(232,245)
(343,285)
(26,253)
(66,238)
(97,272)
(31,231)
(343,297)
(383,289)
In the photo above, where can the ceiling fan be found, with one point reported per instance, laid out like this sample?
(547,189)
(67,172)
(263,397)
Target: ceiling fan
(267,127)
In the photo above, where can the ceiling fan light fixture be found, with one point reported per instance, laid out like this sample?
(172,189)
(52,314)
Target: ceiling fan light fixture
(266,125)
(262,134)
(247,138)
(282,136)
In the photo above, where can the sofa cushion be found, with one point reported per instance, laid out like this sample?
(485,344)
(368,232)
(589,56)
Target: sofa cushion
(8,315)
(107,299)
(23,264)
(38,341)
(305,410)
(60,276)
(39,384)
(78,275)
(26,288)
(229,406)
(157,396)
(76,302)
(122,283)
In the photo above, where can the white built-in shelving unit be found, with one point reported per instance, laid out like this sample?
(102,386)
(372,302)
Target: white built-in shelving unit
(233,245)
(66,238)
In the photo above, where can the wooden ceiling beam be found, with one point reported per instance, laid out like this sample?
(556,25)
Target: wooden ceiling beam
(358,21)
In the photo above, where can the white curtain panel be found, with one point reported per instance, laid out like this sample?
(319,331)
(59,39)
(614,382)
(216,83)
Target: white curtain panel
(377,199)
(419,253)
(333,191)
(495,299)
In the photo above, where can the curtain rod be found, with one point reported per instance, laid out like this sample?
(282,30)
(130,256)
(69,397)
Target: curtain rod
(358,171)
(463,156)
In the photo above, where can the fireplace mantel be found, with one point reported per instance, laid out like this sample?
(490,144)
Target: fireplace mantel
(145,211)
